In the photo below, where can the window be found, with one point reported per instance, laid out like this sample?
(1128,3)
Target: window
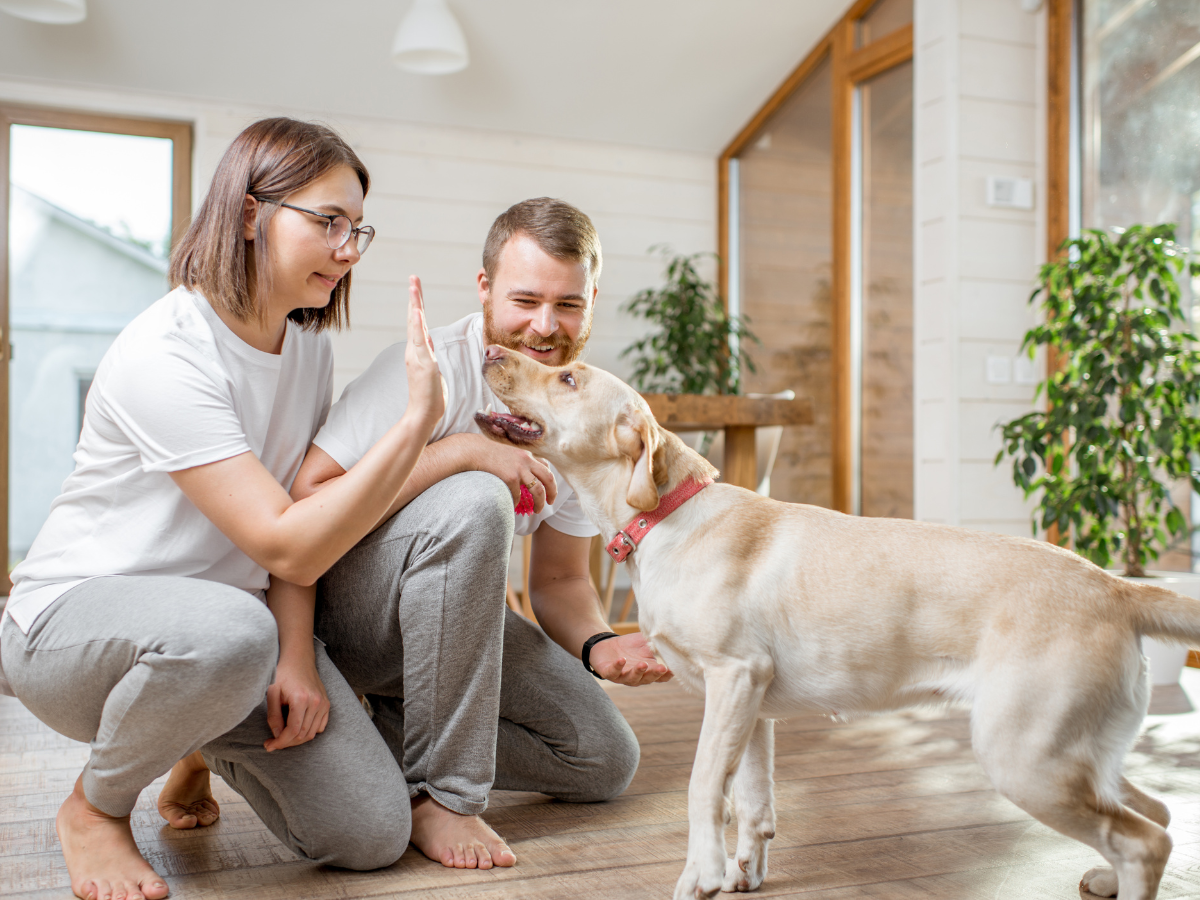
(1133,155)
(92,205)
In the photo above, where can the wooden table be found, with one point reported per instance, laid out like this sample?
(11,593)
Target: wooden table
(738,416)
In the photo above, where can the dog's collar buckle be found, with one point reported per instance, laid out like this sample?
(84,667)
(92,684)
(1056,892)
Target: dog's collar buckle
(626,540)
(620,546)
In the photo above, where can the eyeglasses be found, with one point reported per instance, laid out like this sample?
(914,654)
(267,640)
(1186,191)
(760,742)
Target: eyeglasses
(339,230)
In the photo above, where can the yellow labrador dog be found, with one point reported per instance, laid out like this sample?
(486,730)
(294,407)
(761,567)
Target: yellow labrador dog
(777,609)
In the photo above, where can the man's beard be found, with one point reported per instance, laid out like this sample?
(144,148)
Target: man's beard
(558,340)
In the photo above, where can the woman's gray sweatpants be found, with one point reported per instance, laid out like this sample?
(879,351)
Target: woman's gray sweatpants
(467,694)
(149,669)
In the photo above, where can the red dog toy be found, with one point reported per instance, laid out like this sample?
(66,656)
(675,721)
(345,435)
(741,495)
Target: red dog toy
(525,506)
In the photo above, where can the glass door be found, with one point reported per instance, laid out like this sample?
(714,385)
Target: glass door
(881,295)
(816,236)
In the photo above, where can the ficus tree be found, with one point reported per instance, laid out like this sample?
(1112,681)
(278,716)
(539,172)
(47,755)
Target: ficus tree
(690,351)
(1120,424)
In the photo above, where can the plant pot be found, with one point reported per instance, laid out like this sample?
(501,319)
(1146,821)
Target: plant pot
(1168,659)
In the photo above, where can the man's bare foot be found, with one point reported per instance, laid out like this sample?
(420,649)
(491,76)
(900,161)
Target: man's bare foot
(456,841)
(102,858)
(186,800)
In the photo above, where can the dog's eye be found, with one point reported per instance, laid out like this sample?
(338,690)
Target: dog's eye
(567,378)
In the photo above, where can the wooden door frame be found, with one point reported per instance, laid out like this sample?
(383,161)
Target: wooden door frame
(181,213)
(1060,41)
(850,68)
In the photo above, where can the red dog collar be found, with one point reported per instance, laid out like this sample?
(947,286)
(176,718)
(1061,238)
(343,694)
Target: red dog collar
(631,535)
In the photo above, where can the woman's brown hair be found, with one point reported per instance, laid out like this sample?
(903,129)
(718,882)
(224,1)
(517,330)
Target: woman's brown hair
(270,159)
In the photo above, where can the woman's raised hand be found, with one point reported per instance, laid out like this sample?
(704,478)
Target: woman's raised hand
(427,391)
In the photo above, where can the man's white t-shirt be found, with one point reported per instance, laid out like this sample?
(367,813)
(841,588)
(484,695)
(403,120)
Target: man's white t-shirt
(374,402)
(176,389)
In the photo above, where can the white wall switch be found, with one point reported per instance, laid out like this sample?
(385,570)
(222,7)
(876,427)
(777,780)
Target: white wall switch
(999,370)
(1026,370)
(1008,192)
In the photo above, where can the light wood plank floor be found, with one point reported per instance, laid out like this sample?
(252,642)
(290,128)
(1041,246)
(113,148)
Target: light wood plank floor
(893,806)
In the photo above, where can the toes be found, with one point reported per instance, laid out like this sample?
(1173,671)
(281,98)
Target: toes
(484,857)
(469,854)
(1101,881)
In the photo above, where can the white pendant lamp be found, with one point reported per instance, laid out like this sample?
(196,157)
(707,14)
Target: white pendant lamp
(48,12)
(428,41)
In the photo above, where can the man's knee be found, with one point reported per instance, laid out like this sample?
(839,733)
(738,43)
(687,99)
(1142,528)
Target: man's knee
(616,765)
(481,504)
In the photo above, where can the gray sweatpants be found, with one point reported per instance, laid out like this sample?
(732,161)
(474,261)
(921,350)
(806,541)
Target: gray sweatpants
(467,694)
(150,669)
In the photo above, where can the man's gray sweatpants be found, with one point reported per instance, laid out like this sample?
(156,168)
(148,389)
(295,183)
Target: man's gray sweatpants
(467,694)
(149,669)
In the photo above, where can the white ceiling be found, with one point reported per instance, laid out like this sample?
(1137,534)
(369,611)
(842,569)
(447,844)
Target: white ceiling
(677,74)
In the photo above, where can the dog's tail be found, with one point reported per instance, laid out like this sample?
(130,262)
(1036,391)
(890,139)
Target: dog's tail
(1162,613)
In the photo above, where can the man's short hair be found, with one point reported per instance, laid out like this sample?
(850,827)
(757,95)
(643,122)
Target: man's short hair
(557,227)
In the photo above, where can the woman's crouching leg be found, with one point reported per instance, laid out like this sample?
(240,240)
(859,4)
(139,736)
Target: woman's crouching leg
(339,799)
(146,669)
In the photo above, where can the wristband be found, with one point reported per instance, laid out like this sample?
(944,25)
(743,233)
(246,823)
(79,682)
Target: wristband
(587,650)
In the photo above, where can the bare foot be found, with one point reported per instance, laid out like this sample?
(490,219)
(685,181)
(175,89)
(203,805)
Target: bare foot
(186,800)
(102,858)
(456,841)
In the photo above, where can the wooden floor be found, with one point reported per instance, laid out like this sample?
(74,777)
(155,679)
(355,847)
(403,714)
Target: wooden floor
(888,807)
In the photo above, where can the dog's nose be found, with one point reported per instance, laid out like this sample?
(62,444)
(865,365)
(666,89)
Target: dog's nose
(494,353)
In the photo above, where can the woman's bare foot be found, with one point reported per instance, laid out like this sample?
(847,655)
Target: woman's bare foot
(186,800)
(456,841)
(102,858)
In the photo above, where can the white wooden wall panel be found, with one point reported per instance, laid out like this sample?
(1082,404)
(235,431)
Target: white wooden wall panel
(980,111)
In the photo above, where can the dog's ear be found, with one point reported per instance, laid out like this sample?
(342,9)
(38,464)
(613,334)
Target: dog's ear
(638,439)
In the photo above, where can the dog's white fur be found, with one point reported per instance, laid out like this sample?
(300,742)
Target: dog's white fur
(776,609)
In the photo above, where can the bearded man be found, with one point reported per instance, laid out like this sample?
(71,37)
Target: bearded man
(467,694)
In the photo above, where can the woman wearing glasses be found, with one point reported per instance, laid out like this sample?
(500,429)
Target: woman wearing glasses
(137,621)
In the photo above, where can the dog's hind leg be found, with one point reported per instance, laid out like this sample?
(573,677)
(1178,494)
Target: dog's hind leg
(1102,880)
(733,693)
(1033,748)
(754,801)
(1062,796)
(1141,802)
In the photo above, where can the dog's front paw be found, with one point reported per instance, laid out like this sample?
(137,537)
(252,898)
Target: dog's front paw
(693,886)
(745,873)
(1101,881)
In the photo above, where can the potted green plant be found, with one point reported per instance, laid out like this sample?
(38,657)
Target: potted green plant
(1120,426)
(697,346)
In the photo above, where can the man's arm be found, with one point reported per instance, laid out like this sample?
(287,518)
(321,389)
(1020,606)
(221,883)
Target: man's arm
(568,609)
(454,453)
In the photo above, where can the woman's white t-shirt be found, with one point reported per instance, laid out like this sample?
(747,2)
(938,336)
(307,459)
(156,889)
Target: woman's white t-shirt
(177,389)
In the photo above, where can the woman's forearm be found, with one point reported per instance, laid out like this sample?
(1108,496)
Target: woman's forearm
(316,532)
(299,541)
(293,606)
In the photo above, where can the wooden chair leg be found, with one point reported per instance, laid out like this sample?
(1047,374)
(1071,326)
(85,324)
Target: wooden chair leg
(513,600)
(628,607)
(603,580)
(526,552)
